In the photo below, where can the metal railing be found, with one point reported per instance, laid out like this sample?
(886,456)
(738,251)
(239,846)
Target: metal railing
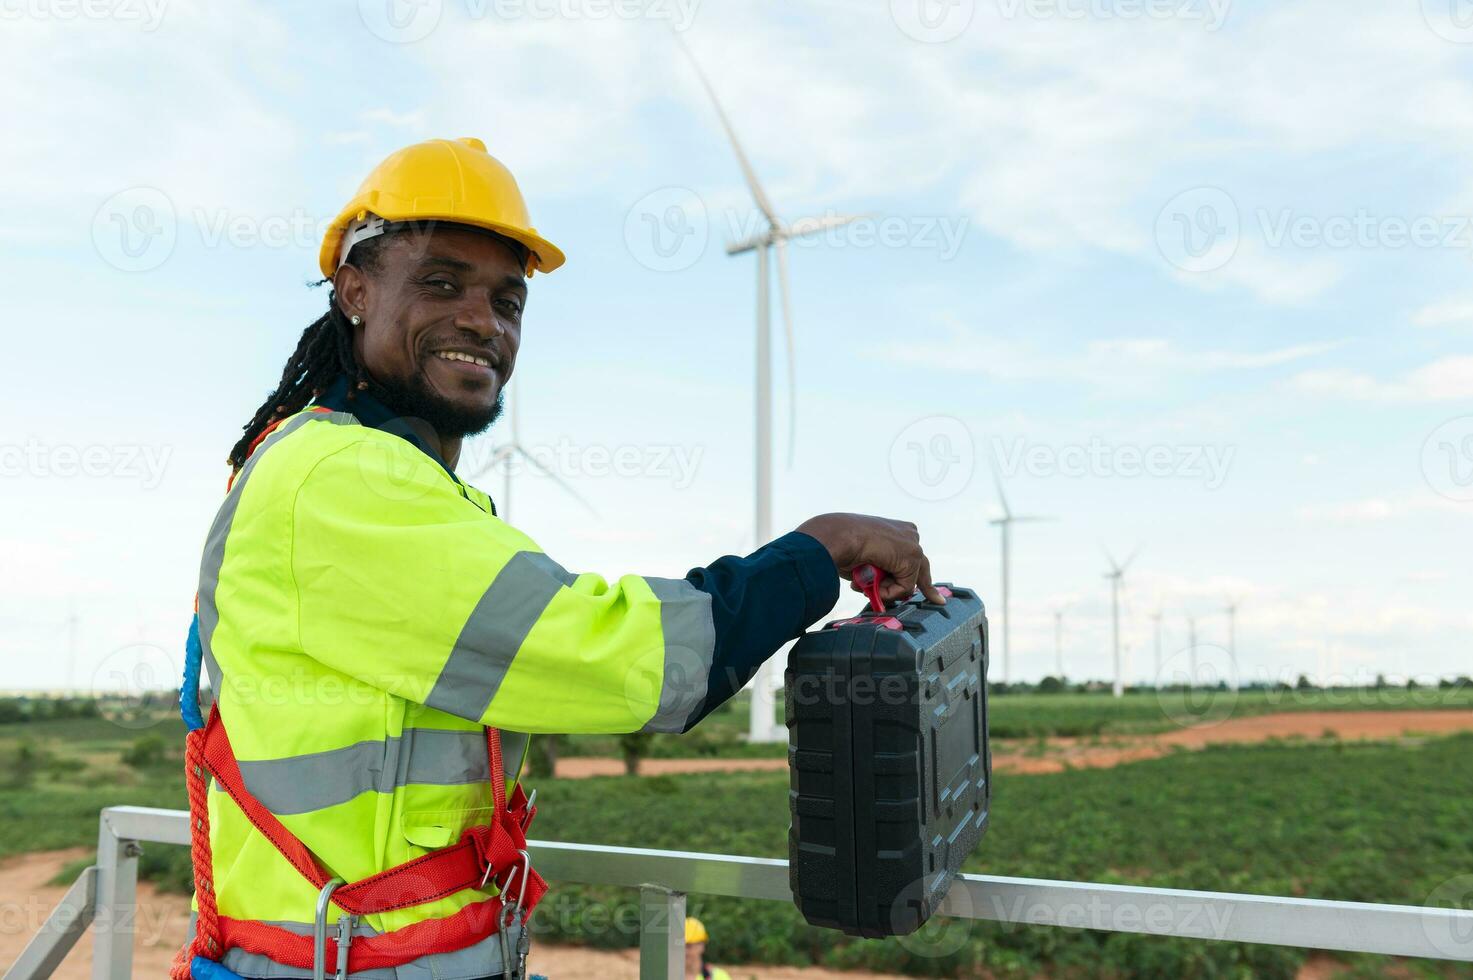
(104,896)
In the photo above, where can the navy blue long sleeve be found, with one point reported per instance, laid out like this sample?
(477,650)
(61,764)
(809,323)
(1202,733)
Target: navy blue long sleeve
(760,602)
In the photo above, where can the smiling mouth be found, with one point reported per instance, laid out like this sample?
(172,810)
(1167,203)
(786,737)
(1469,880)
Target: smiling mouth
(465,358)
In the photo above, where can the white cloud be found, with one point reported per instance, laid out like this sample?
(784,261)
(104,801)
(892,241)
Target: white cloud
(1446,379)
(1448,313)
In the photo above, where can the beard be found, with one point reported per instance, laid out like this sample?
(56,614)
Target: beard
(412,398)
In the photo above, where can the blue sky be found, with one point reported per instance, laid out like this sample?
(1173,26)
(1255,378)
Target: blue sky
(1194,278)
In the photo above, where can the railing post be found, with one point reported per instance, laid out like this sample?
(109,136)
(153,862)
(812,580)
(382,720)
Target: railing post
(661,933)
(117,904)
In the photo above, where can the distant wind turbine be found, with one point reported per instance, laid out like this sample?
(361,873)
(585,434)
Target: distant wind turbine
(1116,575)
(1059,639)
(761,727)
(506,455)
(1191,651)
(1006,522)
(1232,614)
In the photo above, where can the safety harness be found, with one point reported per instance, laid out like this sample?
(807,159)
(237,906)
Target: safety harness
(495,852)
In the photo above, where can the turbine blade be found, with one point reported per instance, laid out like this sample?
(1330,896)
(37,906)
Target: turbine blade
(1132,558)
(782,289)
(1034,518)
(758,194)
(545,471)
(810,226)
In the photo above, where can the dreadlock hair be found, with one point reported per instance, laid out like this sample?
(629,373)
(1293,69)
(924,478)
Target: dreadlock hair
(324,352)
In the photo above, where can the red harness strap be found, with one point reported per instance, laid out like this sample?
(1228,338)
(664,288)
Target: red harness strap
(491,852)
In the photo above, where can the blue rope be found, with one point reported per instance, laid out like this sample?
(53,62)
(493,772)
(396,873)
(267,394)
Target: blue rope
(189,690)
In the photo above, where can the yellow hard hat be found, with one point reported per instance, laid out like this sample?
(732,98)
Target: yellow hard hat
(441,180)
(695,931)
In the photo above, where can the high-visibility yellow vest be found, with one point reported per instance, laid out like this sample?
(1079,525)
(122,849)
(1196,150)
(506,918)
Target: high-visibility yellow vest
(362,614)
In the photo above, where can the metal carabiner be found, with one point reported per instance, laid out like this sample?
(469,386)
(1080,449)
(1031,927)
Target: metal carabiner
(319,935)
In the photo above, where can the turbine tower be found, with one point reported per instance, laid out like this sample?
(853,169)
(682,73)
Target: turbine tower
(1156,619)
(1005,523)
(1116,575)
(761,727)
(1232,614)
(1191,652)
(1059,640)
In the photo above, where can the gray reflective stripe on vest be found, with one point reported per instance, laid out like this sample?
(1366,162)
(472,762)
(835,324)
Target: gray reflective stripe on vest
(209,570)
(690,646)
(482,959)
(303,783)
(495,631)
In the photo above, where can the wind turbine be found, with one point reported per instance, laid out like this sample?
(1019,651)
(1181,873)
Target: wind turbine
(1006,522)
(506,455)
(1116,575)
(1059,639)
(1232,614)
(1191,652)
(761,727)
(1156,618)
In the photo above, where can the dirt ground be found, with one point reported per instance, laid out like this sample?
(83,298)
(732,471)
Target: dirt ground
(164,919)
(1054,754)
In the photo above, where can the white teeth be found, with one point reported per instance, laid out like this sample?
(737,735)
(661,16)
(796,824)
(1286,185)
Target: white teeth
(454,355)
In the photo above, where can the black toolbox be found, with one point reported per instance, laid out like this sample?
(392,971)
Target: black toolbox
(891,775)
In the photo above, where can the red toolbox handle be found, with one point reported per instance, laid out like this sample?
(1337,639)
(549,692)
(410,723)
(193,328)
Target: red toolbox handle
(866,579)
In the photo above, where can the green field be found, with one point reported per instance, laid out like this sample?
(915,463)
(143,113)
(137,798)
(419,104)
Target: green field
(1359,821)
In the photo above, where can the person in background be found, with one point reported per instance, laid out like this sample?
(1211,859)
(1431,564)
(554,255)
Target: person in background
(695,953)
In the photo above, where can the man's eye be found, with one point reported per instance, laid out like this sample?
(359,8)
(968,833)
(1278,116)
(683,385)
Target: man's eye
(511,306)
(444,285)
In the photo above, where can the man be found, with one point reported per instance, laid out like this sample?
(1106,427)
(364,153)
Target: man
(696,967)
(365,615)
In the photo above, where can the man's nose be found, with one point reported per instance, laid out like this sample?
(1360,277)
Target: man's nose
(476,316)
